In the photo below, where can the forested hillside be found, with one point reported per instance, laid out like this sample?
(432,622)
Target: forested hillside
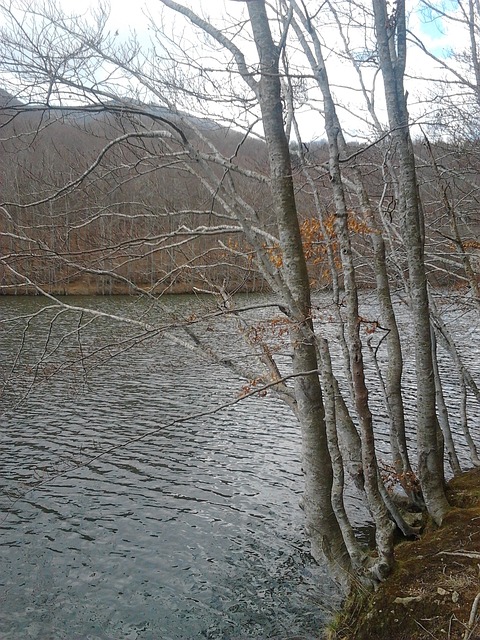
(106,205)
(116,178)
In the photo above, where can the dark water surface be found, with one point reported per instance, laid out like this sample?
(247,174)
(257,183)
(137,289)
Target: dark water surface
(194,532)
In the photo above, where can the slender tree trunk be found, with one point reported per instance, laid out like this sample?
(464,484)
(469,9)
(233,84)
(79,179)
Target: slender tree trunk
(325,534)
(383,525)
(393,386)
(357,555)
(391,41)
(443,418)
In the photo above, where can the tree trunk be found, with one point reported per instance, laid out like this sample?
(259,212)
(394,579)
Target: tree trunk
(391,41)
(323,528)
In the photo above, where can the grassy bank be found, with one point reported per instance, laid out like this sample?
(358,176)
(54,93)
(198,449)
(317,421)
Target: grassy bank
(435,586)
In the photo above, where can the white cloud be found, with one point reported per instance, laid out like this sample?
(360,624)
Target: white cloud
(438,35)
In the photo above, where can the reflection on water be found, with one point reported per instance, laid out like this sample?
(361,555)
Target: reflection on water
(194,532)
(191,532)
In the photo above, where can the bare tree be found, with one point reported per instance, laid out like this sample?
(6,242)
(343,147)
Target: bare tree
(149,196)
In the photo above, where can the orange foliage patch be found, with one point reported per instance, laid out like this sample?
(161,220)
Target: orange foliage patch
(471,244)
(315,240)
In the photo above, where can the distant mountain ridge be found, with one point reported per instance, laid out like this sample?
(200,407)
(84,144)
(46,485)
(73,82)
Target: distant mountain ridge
(7,100)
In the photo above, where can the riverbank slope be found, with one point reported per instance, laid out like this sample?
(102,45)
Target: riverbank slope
(434,591)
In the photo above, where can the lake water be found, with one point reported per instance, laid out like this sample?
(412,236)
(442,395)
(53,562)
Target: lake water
(194,532)
(187,525)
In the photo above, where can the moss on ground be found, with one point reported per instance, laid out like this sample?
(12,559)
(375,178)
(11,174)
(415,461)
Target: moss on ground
(434,584)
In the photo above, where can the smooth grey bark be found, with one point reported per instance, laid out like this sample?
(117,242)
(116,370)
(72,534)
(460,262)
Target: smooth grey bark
(324,531)
(393,384)
(391,42)
(350,443)
(323,528)
(358,557)
(344,436)
(383,525)
(443,418)
(393,394)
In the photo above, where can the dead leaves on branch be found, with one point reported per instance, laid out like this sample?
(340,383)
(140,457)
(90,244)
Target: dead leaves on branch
(318,238)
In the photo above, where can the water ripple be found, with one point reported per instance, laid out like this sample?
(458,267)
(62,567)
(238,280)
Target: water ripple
(194,532)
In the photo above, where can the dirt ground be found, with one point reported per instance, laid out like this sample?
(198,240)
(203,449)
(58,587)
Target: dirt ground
(434,591)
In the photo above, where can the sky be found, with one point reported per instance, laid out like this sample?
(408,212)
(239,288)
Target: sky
(437,35)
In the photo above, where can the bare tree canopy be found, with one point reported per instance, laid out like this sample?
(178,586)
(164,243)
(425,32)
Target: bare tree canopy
(181,159)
